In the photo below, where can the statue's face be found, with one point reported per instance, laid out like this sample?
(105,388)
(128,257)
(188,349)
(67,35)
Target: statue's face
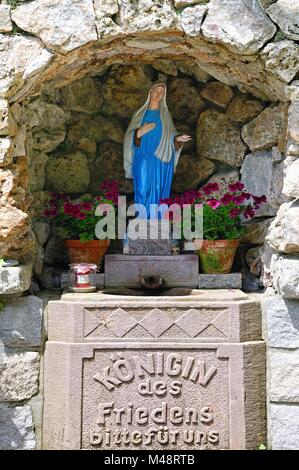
(157,94)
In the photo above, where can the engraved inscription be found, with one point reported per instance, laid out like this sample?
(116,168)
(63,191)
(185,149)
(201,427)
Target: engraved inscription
(145,399)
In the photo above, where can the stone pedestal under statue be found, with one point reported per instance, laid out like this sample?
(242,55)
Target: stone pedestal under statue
(125,372)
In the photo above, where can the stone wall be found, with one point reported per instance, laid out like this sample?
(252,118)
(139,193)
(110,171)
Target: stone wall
(281,304)
(21,341)
(249,45)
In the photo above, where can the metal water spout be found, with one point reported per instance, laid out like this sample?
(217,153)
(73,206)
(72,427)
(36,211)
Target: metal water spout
(152,282)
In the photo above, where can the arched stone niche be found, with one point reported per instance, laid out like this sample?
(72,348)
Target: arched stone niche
(250,46)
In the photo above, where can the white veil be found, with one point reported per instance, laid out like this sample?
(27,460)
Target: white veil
(165,147)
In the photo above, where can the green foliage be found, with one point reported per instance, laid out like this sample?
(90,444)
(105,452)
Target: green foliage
(3,303)
(77,219)
(262,447)
(218,225)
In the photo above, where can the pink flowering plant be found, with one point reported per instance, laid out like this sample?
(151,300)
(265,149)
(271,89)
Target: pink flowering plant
(223,215)
(76,220)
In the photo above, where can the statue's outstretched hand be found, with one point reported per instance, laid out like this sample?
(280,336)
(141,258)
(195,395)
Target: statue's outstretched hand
(183,138)
(145,128)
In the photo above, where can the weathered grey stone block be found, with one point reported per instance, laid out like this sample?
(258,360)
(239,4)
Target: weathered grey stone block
(220,281)
(127,270)
(15,279)
(17,428)
(281,322)
(20,322)
(19,378)
(284,426)
(285,275)
(284,375)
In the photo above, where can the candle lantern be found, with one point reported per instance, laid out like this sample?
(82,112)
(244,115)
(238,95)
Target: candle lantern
(83,277)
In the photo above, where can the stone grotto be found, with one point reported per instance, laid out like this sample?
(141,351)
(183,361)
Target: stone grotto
(71,75)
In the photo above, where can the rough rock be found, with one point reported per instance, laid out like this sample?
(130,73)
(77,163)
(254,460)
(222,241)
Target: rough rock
(38,64)
(284,375)
(62,25)
(243,108)
(47,122)
(285,275)
(283,233)
(256,231)
(68,173)
(218,93)
(18,143)
(108,164)
(241,25)
(266,130)
(95,129)
(187,3)
(5,151)
(218,139)
(291,180)
(276,155)
(166,66)
(18,424)
(266,3)
(260,176)
(250,283)
(45,115)
(284,427)
(191,19)
(20,325)
(55,252)
(88,147)
(293,121)
(192,69)
(282,322)
(37,261)
(8,126)
(19,379)
(135,80)
(253,259)
(282,59)
(5,20)
(37,171)
(293,150)
(190,171)
(266,260)
(15,279)
(105,8)
(285,13)
(50,277)
(42,230)
(156,16)
(17,53)
(184,100)
(83,96)
(108,30)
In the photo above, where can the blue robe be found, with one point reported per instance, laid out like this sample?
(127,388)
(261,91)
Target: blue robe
(152,177)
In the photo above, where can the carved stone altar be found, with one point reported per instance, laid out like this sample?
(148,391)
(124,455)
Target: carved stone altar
(183,372)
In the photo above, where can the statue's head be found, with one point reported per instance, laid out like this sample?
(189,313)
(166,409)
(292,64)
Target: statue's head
(156,95)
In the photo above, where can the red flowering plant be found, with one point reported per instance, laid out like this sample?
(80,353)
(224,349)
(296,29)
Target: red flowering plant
(223,215)
(76,219)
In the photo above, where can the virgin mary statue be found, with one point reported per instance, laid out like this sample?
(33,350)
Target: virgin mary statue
(152,149)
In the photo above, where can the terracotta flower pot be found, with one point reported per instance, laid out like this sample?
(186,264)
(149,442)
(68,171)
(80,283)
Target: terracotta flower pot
(91,251)
(217,256)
